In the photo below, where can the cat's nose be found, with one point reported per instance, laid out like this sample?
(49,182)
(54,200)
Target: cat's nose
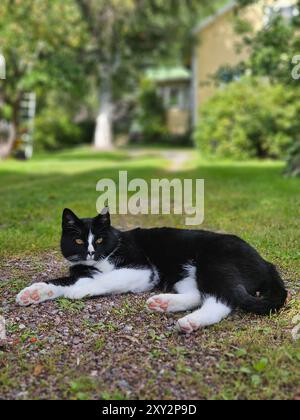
(91,253)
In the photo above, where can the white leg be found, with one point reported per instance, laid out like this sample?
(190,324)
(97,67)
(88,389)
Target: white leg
(116,282)
(120,281)
(188,298)
(211,313)
(37,293)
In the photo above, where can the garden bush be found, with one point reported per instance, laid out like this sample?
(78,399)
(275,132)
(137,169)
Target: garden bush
(249,118)
(55,130)
(150,118)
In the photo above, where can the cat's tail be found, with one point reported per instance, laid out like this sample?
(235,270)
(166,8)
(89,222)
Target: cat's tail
(273,300)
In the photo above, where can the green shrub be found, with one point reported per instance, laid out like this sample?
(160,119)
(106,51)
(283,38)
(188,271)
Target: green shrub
(249,118)
(54,130)
(150,118)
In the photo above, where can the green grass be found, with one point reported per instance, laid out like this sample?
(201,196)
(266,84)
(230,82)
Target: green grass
(256,357)
(251,199)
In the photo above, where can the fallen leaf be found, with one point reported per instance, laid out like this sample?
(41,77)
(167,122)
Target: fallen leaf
(38,370)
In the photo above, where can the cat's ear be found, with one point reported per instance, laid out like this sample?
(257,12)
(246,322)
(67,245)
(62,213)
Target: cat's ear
(69,218)
(103,218)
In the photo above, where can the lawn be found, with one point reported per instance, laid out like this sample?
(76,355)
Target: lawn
(111,347)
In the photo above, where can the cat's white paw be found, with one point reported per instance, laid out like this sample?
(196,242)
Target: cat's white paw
(188,324)
(166,303)
(37,293)
(159,303)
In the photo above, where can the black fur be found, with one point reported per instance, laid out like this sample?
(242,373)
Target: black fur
(226,266)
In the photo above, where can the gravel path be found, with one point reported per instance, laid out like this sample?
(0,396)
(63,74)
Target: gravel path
(107,347)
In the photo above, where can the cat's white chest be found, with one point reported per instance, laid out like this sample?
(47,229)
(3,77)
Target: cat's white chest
(105,266)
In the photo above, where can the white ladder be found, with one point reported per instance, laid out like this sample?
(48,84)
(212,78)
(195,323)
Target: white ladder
(27,116)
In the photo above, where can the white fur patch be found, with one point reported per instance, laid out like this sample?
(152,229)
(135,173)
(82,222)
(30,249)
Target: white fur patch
(210,313)
(120,281)
(190,270)
(187,286)
(124,280)
(91,248)
(105,266)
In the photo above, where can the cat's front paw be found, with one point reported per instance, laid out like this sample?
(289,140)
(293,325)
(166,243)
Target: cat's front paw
(37,293)
(188,324)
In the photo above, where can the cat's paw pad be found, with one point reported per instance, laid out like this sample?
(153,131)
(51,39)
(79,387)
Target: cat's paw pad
(158,303)
(187,325)
(34,294)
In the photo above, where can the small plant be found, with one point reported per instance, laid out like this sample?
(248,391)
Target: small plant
(68,305)
(99,344)
(81,388)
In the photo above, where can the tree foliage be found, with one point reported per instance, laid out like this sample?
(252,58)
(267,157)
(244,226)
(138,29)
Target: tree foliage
(42,43)
(53,45)
(128,36)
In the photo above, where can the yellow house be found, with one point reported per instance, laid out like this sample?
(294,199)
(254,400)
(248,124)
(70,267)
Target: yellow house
(217,43)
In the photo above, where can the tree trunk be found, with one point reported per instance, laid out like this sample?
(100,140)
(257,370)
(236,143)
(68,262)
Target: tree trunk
(6,149)
(104,123)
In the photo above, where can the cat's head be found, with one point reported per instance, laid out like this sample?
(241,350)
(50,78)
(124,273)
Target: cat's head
(87,240)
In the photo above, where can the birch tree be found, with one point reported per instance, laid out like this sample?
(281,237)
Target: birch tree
(126,36)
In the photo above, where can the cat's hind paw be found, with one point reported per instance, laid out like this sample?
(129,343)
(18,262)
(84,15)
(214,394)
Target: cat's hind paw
(187,325)
(168,302)
(37,293)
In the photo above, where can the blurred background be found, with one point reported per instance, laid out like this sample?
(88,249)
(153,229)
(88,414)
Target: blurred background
(221,76)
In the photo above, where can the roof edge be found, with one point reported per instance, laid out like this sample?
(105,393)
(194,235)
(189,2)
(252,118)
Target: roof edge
(210,19)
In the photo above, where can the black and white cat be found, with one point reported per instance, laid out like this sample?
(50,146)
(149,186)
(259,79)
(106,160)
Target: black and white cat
(213,273)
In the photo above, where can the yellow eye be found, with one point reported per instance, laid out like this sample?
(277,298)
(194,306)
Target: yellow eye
(79,241)
(99,241)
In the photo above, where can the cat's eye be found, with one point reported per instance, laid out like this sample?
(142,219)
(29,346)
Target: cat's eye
(99,241)
(79,241)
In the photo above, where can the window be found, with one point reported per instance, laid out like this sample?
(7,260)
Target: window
(286,12)
(174,97)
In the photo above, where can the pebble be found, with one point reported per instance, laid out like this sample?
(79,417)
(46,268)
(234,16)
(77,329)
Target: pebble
(55,312)
(94,373)
(128,328)
(22,394)
(123,384)
(76,341)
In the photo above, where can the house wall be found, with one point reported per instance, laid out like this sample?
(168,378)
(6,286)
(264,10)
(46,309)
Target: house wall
(178,121)
(217,47)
